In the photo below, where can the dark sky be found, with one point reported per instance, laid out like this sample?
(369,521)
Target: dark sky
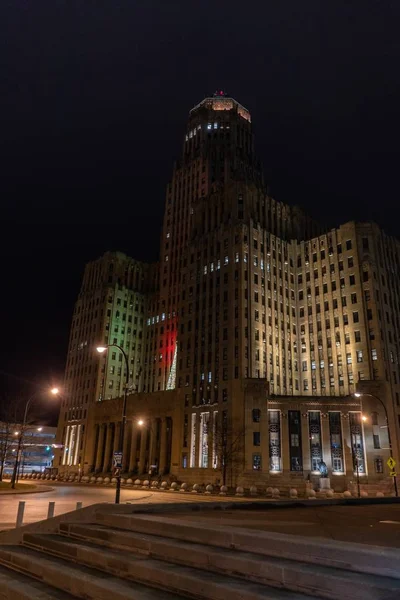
(94,97)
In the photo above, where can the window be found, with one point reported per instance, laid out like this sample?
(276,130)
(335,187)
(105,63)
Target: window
(256,438)
(354,298)
(348,358)
(377,444)
(374,354)
(352,279)
(357,336)
(256,414)
(350,262)
(359,356)
(257,462)
(378,462)
(348,245)
(355,317)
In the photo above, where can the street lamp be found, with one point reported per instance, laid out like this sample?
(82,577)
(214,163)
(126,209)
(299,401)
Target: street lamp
(53,391)
(360,395)
(101,350)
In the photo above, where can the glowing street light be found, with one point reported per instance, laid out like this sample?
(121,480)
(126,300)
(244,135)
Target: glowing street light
(140,422)
(55,391)
(101,349)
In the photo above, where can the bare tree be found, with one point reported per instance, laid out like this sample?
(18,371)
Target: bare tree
(7,433)
(229,451)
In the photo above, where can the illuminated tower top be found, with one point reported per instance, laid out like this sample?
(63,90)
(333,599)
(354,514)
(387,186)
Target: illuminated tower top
(221,101)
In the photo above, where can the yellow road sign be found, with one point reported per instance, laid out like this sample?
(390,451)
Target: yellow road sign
(393,474)
(391,463)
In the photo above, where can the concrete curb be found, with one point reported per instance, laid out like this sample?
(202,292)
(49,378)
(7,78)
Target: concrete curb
(36,491)
(247,500)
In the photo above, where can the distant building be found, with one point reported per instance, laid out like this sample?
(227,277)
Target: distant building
(38,448)
(256,320)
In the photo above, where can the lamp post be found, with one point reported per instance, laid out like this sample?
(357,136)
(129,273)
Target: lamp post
(101,350)
(20,434)
(360,395)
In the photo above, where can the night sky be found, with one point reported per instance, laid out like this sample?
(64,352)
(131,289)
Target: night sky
(94,98)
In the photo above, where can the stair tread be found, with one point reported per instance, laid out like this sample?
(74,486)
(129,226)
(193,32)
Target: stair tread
(109,583)
(125,519)
(281,563)
(305,567)
(183,572)
(14,584)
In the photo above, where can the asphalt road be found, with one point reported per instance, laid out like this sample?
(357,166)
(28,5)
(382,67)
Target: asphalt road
(66,497)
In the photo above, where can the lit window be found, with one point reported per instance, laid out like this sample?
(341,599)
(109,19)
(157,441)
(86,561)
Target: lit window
(168,234)
(209,377)
(359,356)
(211,267)
(209,126)
(237,257)
(218,264)
(374,354)
(226,260)
(205,270)
(215,125)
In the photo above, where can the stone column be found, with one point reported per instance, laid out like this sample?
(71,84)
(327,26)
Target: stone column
(210,439)
(93,450)
(347,446)
(197,446)
(285,442)
(117,430)
(100,446)
(133,453)
(142,457)
(125,452)
(305,440)
(153,442)
(163,446)
(107,453)
(326,441)
(264,448)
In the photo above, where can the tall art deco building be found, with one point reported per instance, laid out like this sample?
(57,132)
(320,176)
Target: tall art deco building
(258,330)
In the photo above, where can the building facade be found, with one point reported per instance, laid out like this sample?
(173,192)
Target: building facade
(37,448)
(248,290)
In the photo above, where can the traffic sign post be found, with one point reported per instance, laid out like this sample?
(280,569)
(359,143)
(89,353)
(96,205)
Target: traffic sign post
(391,463)
(117,460)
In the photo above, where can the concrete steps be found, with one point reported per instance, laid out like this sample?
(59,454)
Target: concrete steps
(76,580)
(15,586)
(359,558)
(174,580)
(123,555)
(297,576)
